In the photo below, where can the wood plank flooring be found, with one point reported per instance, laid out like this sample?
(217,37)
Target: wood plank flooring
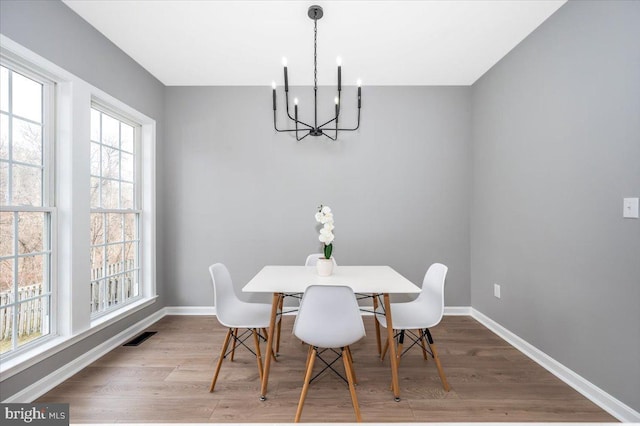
(166,379)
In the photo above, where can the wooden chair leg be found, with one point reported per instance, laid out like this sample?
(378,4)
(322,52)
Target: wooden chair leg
(443,378)
(352,390)
(347,350)
(233,345)
(224,350)
(423,343)
(308,356)
(384,350)
(256,340)
(399,347)
(436,358)
(305,386)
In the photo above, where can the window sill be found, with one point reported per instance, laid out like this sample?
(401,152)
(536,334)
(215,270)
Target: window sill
(55,344)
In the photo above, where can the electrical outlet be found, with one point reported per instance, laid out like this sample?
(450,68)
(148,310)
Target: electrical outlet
(496,290)
(630,209)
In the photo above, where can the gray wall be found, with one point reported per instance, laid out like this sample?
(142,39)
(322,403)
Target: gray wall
(52,30)
(243,195)
(556,147)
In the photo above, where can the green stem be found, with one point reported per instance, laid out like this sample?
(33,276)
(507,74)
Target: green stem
(327,250)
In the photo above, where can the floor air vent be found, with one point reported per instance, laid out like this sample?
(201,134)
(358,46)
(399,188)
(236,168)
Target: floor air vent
(140,338)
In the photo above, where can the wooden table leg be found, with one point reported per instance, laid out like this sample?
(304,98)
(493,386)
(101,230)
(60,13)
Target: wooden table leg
(395,385)
(375,308)
(267,363)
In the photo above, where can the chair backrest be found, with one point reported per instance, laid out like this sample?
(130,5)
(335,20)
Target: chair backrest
(312,259)
(329,317)
(224,297)
(432,294)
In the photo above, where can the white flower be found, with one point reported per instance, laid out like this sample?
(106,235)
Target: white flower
(325,217)
(325,236)
(325,230)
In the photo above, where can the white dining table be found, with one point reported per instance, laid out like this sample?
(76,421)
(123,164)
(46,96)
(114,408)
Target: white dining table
(374,280)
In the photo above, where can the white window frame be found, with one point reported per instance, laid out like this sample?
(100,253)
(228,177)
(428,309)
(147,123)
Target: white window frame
(138,190)
(47,205)
(73,99)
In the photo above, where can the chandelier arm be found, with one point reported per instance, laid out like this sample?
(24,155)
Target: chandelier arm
(338,105)
(303,123)
(330,137)
(321,127)
(299,139)
(288,130)
(280,130)
(334,118)
(345,129)
(286,95)
(275,126)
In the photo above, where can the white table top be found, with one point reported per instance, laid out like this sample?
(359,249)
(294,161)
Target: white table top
(362,279)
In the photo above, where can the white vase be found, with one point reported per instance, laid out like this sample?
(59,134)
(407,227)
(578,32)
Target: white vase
(324,267)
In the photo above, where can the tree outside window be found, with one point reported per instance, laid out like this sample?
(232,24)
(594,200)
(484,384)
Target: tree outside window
(115,213)
(25,208)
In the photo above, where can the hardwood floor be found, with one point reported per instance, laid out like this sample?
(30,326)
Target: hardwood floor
(166,379)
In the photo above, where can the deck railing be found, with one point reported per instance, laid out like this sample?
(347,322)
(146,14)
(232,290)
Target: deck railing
(29,314)
(109,287)
(115,288)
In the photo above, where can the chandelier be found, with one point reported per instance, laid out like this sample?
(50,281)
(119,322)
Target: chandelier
(302,129)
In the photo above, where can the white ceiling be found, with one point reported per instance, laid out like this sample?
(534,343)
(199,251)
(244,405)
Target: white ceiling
(240,43)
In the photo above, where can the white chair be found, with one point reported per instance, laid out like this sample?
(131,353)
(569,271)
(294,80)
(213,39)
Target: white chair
(420,314)
(235,314)
(312,259)
(329,318)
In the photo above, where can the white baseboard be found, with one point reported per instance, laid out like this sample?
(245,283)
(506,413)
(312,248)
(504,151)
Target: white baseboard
(457,310)
(190,310)
(611,405)
(209,310)
(44,385)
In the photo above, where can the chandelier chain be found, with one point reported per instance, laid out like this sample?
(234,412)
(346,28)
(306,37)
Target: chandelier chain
(315,54)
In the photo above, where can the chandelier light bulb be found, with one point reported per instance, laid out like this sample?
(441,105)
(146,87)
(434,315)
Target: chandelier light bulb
(359,83)
(336,100)
(284,61)
(295,101)
(339,61)
(273,85)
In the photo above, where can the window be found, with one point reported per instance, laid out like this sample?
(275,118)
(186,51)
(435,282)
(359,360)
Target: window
(77,253)
(115,212)
(26,207)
